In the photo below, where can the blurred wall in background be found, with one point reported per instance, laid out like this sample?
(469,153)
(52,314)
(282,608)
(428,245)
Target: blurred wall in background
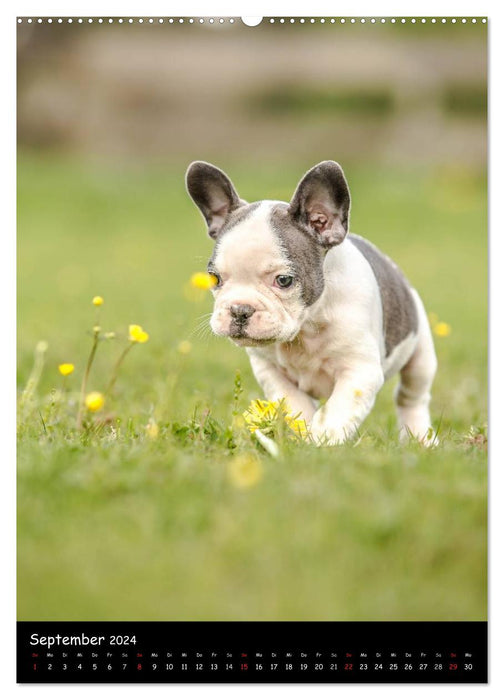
(392,93)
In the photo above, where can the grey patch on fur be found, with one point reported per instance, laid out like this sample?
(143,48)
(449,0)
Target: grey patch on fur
(236,217)
(305,258)
(400,316)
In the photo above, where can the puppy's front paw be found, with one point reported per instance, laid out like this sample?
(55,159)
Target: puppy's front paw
(323,434)
(427,438)
(430,438)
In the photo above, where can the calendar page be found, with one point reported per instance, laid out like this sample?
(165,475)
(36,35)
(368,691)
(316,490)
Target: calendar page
(252,357)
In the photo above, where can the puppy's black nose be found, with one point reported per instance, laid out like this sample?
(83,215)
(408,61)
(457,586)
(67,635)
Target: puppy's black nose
(241,312)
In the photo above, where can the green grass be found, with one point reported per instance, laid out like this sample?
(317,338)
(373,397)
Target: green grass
(301,100)
(115,525)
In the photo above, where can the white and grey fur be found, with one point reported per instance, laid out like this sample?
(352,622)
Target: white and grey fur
(348,321)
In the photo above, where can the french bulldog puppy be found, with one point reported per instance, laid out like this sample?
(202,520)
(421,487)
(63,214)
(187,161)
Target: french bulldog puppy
(323,314)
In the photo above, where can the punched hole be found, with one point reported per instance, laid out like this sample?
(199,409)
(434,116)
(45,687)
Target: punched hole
(251,21)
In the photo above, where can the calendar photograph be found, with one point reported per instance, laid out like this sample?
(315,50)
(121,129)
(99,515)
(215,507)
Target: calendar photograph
(252,342)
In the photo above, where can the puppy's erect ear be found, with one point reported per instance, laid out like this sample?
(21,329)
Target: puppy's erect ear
(321,204)
(214,194)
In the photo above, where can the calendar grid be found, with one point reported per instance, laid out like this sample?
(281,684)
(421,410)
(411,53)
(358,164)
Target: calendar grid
(339,652)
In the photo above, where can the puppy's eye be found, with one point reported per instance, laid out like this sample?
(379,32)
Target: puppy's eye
(217,279)
(284,281)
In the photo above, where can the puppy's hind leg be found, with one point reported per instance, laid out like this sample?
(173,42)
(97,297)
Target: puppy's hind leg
(412,395)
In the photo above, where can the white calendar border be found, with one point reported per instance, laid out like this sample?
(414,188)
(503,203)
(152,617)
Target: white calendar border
(219,8)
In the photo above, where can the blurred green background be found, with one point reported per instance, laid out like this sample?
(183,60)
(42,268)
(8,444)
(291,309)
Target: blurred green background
(115,525)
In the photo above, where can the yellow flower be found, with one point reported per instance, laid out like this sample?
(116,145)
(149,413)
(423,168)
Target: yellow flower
(152,429)
(357,393)
(66,368)
(203,280)
(245,471)
(184,347)
(265,415)
(442,329)
(94,401)
(197,286)
(137,334)
(439,328)
(297,425)
(97,301)
(260,411)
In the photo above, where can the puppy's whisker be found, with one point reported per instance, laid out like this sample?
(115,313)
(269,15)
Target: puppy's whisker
(202,334)
(201,330)
(204,316)
(202,321)
(200,326)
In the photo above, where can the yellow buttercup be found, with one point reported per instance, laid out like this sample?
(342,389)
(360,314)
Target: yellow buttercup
(137,334)
(94,401)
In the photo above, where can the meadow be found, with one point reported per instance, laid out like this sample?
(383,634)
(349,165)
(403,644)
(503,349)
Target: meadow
(143,514)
